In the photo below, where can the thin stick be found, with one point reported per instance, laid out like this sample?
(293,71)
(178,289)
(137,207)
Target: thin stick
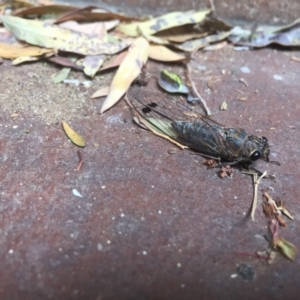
(295,58)
(212,5)
(207,110)
(256,182)
(80,160)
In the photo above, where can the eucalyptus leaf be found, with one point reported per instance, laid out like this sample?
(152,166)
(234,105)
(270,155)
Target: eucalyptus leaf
(172,83)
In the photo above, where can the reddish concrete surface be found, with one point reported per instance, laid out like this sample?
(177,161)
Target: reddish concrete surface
(150,224)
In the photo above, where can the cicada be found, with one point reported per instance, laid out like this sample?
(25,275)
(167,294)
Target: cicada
(177,120)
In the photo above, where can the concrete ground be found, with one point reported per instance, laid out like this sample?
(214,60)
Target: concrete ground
(153,222)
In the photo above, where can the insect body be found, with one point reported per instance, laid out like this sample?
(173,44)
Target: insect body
(176,120)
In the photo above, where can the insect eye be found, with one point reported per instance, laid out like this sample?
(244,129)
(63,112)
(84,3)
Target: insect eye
(255,155)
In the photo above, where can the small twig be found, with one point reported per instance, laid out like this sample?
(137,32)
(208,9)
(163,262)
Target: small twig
(80,160)
(212,5)
(207,110)
(242,80)
(256,182)
(295,58)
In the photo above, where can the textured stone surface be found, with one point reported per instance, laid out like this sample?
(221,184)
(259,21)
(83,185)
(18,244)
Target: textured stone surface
(150,225)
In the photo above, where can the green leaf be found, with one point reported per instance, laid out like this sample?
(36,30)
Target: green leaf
(172,83)
(286,248)
(61,75)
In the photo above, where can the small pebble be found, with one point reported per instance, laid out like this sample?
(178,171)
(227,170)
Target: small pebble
(278,77)
(76,193)
(245,70)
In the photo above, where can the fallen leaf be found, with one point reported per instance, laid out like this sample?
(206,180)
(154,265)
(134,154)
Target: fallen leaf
(101,92)
(155,39)
(52,36)
(223,106)
(128,71)
(61,75)
(215,47)
(164,22)
(92,13)
(73,135)
(92,63)
(12,5)
(95,28)
(172,83)
(162,53)
(288,35)
(287,249)
(23,59)
(44,9)
(114,61)
(181,34)
(196,44)
(64,61)
(11,51)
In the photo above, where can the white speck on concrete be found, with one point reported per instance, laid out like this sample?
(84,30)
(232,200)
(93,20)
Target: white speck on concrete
(277,77)
(245,70)
(11,251)
(233,276)
(144,253)
(99,247)
(76,193)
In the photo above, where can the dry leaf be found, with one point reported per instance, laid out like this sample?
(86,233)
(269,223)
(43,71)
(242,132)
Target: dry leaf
(162,53)
(64,61)
(114,61)
(52,36)
(73,135)
(11,51)
(181,34)
(166,21)
(13,4)
(156,40)
(22,59)
(92,13)
(101,92)
(95,28)
(196,44)
(92,63)
(223,106)
(287,249)
(44,9)
(128,71)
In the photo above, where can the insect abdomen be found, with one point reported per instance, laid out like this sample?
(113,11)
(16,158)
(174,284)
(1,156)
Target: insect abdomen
(202,137)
